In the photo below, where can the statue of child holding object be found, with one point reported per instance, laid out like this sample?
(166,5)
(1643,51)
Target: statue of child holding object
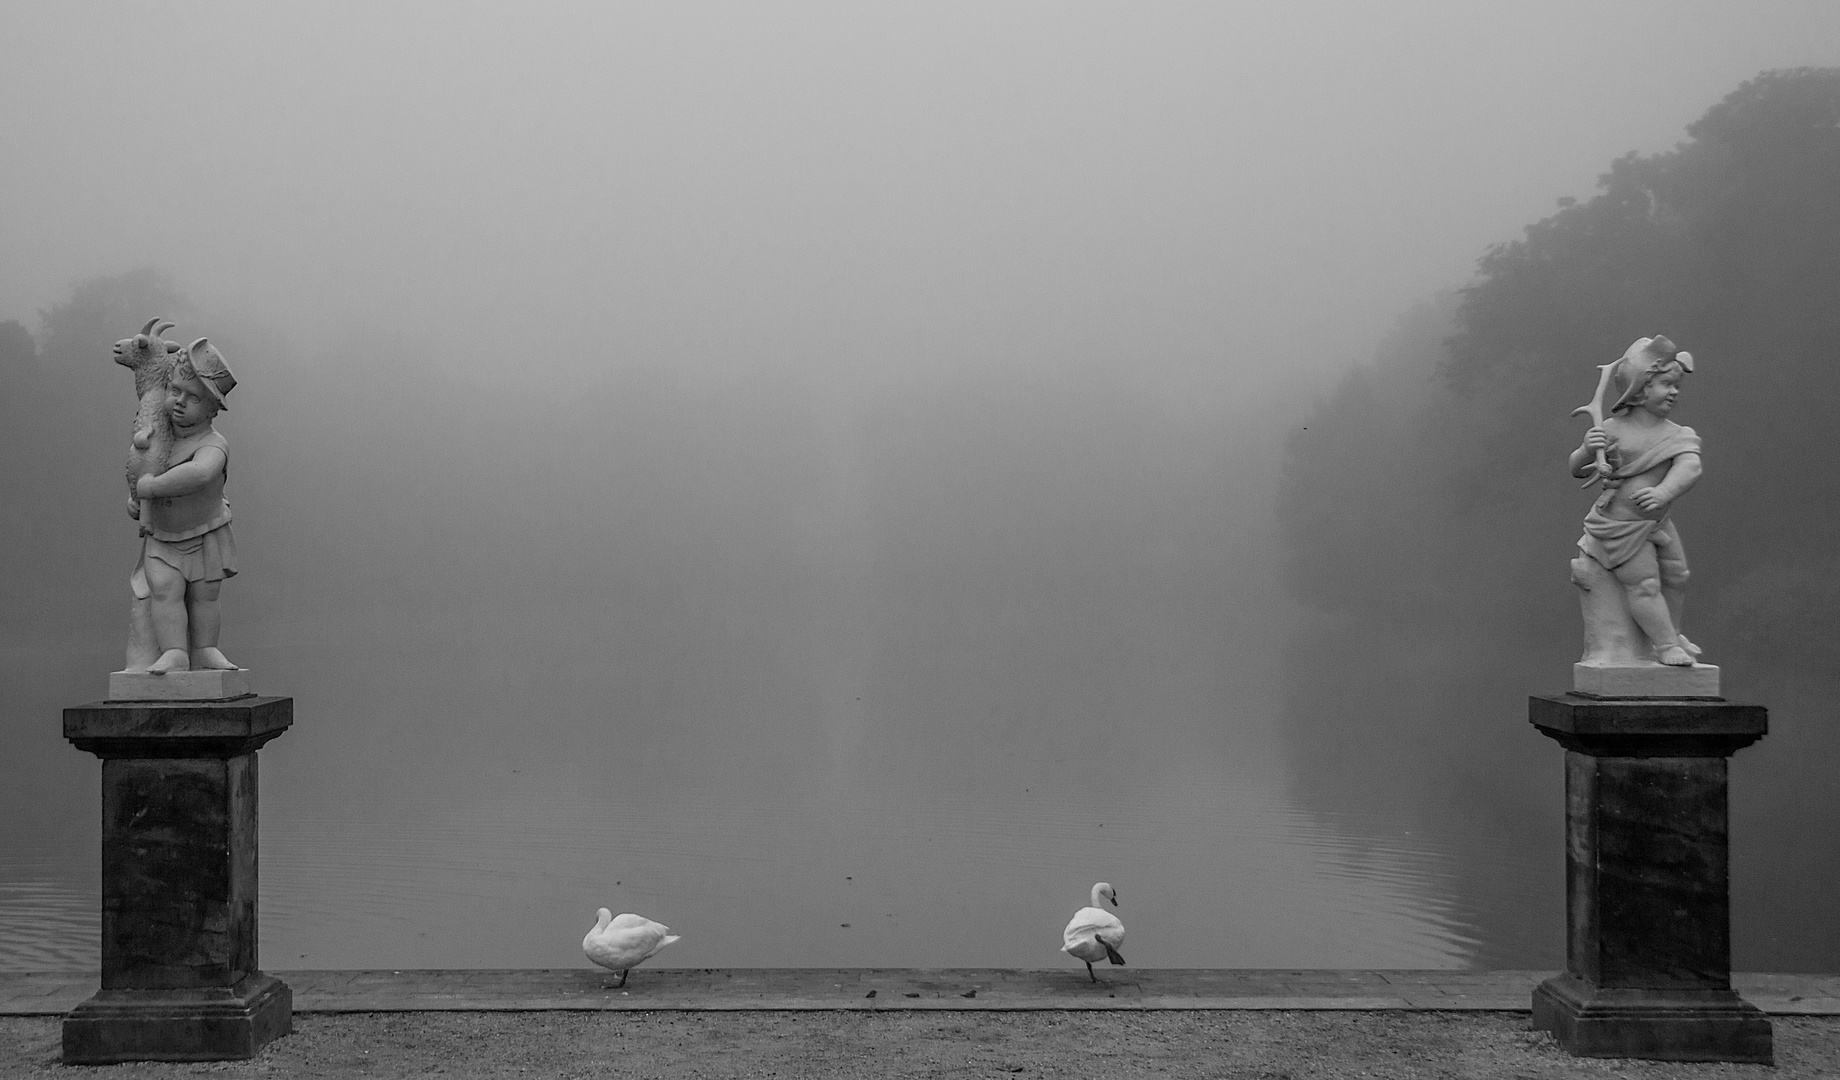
(1648,462)
(188,549)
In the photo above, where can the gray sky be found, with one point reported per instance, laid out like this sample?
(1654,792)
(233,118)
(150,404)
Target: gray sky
(866,185)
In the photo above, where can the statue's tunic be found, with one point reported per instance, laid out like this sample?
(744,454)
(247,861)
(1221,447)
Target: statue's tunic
(191,532)
(1613,541)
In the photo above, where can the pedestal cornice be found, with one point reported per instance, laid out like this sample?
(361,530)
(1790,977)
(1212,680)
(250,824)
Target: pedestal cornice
(177,729)
(1647,727)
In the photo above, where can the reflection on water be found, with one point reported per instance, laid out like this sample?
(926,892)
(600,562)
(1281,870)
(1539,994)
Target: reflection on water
(885,677)
(441,819)
(1210,874)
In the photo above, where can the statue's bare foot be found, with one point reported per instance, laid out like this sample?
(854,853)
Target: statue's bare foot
(1674,656)
(171,660)
(209,659)
(1692,649)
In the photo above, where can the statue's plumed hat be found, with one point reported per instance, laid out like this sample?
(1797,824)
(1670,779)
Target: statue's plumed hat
(1642,361)
(202,361)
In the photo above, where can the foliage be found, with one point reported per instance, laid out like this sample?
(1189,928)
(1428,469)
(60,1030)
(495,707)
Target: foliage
(101,311)
(1730,244)
(17,347)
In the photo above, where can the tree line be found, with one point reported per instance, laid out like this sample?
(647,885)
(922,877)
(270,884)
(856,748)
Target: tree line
(1428,517)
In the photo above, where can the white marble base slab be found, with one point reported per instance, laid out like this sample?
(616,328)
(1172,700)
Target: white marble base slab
(1646,680)
(179,685)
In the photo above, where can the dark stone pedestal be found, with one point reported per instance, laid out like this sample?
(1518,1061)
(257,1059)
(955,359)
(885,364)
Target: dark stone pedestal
(179,974)
(1648,919)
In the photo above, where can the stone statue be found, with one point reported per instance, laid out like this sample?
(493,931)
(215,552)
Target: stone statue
(1631,567)
(177,466)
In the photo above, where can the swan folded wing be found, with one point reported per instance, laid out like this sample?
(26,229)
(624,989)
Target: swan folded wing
(623,952)
(626,920)
(1088,926)
(628,940)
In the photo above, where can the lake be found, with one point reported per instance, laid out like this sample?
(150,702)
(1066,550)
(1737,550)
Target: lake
(803,845)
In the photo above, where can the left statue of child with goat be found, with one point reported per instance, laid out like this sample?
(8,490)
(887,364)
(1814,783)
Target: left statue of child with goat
(177,465)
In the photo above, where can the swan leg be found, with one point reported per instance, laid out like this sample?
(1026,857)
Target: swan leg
(622,981)
(1089,972)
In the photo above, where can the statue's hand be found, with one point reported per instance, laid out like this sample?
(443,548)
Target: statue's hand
(134,509)
(1649,499)
(1598,439)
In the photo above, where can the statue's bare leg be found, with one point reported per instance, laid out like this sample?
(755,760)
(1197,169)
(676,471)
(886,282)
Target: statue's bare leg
(1641,581)
(1671,560)
(167,588)
(205,619)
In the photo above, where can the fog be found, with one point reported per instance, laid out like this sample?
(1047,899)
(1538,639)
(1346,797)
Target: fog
(896,187)
(847,407)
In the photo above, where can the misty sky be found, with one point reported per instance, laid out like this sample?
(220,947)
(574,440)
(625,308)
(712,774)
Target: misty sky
(697,185)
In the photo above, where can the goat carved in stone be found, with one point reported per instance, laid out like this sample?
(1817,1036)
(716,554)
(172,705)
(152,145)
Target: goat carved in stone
(151,359)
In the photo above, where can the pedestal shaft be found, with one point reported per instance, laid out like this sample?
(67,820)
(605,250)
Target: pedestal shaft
(178,872)
(1646,872)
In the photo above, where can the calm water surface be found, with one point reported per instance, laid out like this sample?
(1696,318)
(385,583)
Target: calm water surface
(1211,870)
(788,845)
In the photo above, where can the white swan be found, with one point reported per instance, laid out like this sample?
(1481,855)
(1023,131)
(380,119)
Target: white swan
(1095,934)
(621,943)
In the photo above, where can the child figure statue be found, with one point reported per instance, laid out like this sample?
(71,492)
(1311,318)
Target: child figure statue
(187,549)
(1645,461)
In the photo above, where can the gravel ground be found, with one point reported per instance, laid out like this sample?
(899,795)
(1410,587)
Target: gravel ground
(1267,1045)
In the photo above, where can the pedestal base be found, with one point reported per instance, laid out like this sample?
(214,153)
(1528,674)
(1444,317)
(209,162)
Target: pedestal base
(202,1024)
(1646,681)
(1660,1025)
(205,685)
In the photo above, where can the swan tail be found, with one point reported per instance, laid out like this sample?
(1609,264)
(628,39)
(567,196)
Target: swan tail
(1111,953)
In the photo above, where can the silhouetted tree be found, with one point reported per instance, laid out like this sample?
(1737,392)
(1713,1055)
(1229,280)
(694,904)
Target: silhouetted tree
(17,347)
(101,311)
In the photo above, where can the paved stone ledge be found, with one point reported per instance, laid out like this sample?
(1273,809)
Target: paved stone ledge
(880,989)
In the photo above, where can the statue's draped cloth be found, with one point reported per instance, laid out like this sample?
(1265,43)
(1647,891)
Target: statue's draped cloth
(1613,541)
